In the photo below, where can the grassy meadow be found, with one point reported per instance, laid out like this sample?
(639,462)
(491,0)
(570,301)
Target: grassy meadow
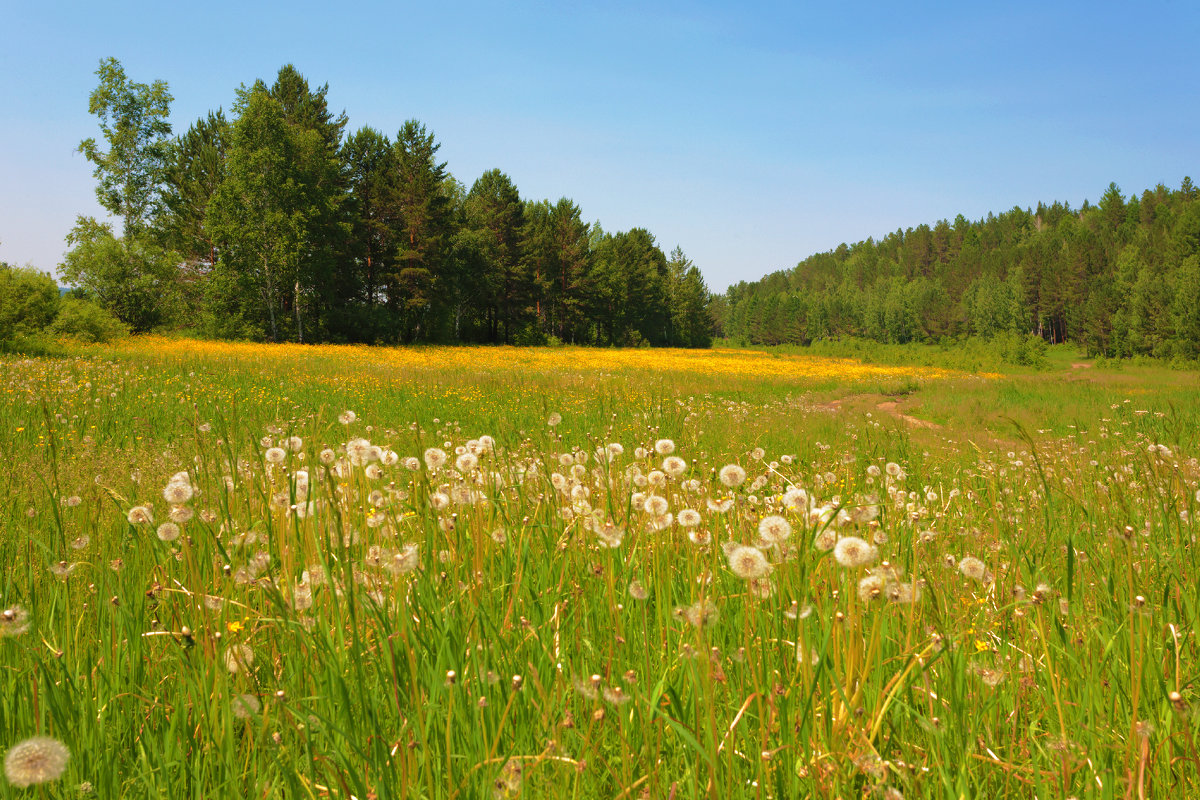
(333,572)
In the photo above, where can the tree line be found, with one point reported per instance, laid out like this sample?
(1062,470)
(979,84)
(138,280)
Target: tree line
(1119,278)
(277,224)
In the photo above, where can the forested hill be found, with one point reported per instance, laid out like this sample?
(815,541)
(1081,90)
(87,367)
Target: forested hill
(1118,278)
(279,223)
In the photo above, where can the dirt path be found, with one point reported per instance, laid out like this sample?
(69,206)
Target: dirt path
(892,407)
(889,407)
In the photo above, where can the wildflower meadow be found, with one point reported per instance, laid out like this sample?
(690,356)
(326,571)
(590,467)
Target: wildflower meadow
(351,572)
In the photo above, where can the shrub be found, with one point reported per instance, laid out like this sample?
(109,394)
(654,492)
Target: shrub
(87,322)
(28,301)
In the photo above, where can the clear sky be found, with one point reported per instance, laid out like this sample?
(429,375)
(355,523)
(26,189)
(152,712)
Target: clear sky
(751,134)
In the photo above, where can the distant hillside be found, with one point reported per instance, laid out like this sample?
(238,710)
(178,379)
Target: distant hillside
(1119,278)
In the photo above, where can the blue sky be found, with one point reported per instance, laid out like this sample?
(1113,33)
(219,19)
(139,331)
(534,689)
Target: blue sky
(751,135)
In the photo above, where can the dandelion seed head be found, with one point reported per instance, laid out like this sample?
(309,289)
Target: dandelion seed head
(974,569)
(615,695)
(732,475)
(34,761)
(688,518)
(664,447)
(774,529)
(245,706)
(168,532)
(674,466)
(825,541)
(178,492)
(807,654)
(870,587)
(14,621)
(701,614)
(748,562)
(990,677)
(275,455)
(435,458)
(139,515)
(795,499)
(238,658)
(719,506)
(852,552)
(656,506)
(180,514)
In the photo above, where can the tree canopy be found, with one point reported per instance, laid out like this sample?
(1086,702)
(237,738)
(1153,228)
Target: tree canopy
(276,223)
(1118,278)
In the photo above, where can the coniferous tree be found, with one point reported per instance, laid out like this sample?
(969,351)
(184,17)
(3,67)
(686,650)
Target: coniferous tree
(494,208)
(190,179)
(369,163)
(420,210)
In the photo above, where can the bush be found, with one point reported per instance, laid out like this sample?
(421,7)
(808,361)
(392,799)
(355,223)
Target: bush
(528,335)
(28,301)
(87,322)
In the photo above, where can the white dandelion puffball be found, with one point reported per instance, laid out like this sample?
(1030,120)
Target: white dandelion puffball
(851,552)
(732,475)
(40,759)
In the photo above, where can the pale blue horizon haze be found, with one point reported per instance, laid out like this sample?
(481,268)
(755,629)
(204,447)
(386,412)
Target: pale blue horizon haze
(751,136)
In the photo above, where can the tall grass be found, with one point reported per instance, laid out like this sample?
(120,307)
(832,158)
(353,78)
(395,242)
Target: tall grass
(344,615)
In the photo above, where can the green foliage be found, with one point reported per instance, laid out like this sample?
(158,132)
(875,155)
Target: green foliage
(494,209)
(688,300)
(28,301)
(258,217)
(86,321)
(134,279)
(274,225)
(190,179)
(1114,279)
(133,120)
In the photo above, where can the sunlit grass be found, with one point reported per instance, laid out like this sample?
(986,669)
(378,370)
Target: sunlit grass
(222,584)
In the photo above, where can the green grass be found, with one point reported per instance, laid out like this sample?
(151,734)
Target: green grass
(521,657)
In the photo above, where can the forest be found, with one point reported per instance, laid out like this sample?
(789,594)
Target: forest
(1119,278)
(276,223)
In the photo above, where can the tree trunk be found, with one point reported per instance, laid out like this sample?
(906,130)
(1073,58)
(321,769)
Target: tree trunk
(270,299)
(296,303)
